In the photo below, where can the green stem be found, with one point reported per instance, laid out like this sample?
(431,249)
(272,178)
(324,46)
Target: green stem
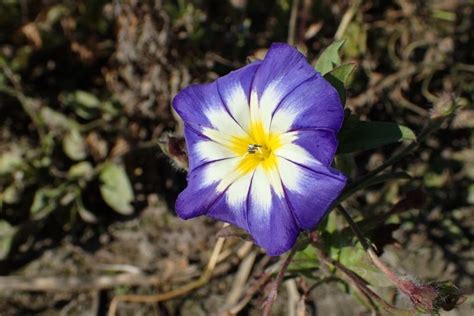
(25,102)
(361,285)
(364,180)
(355,228)
(367,247)
(401,284)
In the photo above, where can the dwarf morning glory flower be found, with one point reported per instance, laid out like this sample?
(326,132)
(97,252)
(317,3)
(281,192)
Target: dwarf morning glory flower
(260,142)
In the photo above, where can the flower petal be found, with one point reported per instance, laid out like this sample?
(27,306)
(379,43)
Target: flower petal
(310,192)
(321,144)
(297,154)
(283,69)
(313,104)
(202,190)
(232,208)
(201,149)
(284,97)
(201,107)
(271,223)
(234,89)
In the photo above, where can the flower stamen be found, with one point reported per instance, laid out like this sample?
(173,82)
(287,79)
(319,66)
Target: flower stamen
(253,148)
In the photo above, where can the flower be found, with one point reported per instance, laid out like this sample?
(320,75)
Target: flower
(260,143)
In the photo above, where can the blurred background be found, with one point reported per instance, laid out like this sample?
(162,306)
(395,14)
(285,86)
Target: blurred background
(87,195)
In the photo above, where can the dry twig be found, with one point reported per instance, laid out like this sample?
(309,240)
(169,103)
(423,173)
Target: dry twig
(292,23)
(267,305)
(152,299)
(74,284)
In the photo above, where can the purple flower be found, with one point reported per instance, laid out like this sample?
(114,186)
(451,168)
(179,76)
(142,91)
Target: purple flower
(260,142)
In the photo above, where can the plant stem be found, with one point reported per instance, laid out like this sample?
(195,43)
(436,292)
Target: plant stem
(26,103)
(355,228)
(347,18)
(418,294)
(361,285)
(292,23)
(360,183)
(267,305)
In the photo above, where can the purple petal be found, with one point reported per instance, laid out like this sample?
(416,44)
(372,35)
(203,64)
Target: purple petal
(289,96)
(313,104)
(283,69)
(234,89)
(232,208)
(310,192)
(320,143)
(193,102)
(271,223)
(201,191)
(202,150)
(283,66)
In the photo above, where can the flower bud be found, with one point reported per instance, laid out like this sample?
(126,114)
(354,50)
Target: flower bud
(422,296)
(449,296)
(430,298)
(174,147)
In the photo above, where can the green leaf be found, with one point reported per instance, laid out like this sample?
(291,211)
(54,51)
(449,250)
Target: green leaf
(7,233)
(364,135)
(356,259)
(55,13)
(342,246)
(329,58)
(74,145)
(342,73)
(82,170)
(21,58)
(340,78)
(86,215)
(56,121)
(332,224)
(10,160)
(304,260)
(11,194)
(346,164)
(84,104)
(86,99)
(356,36)
(116,189)
(45,201)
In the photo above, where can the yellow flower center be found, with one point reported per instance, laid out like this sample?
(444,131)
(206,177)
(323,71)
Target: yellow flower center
(256,148)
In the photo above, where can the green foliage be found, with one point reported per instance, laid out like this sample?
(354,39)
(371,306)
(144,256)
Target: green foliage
(329,58)
(84,104)
(81,171)
(10,160)
(7,232)
(45,200)
(305,262)
(356,39)
(340,78)
(116,188)
(74,146)
(364,135)
(49,162)
(356,136)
